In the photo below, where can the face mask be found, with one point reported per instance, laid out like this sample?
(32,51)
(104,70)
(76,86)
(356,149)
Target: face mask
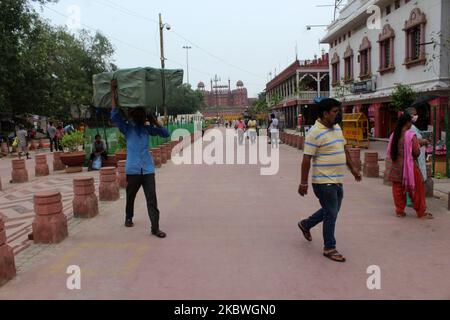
(415,118)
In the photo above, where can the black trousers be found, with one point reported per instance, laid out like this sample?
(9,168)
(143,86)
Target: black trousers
(147,181)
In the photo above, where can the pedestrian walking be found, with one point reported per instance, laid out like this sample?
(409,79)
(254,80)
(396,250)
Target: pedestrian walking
(51,131)
(274,132)
(22,136)
(403,171)
(140,168)
(325,151)
(240,126)
(252,130)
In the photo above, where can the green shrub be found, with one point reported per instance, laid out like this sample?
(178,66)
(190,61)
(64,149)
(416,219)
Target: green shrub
(73,141)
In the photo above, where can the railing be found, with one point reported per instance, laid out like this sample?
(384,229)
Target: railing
(306,95)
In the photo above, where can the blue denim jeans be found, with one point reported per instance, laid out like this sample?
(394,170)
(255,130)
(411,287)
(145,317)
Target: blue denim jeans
(330,198)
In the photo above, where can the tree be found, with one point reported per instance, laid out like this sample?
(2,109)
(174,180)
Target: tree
(402,97)
(184,100)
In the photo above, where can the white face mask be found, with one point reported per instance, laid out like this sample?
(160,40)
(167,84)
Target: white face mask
(415,118)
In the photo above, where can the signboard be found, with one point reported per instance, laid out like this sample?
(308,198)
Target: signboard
(363,87)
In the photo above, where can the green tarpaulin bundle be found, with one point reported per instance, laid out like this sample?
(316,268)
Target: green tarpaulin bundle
(138,87)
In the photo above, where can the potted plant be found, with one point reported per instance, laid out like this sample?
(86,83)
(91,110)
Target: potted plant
(74,159)
(121,153)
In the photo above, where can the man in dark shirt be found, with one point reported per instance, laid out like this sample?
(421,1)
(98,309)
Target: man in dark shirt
(98,150)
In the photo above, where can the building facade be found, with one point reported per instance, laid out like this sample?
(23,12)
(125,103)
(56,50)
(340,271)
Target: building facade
(222,101)
(372,52)
(292,92)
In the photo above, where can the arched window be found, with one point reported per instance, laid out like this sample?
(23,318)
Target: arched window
(365,59)
(386,41)
(335,70)
(415,38)
(348,62)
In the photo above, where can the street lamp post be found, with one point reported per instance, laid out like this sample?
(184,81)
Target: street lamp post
(163,65)
(187,61)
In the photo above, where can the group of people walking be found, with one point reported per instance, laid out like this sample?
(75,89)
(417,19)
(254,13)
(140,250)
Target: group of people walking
(56,134)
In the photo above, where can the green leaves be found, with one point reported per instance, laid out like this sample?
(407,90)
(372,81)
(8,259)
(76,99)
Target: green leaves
(46,70)
(184,100)
(402,97)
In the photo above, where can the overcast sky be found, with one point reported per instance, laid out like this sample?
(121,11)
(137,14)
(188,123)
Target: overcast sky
(240,40)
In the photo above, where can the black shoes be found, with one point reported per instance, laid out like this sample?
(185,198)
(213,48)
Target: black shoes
(159,234)
(129,223)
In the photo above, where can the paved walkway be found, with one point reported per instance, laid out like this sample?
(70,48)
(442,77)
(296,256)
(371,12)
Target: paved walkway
(232,234)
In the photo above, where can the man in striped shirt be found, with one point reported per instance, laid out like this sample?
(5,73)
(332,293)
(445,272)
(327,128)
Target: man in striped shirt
(325,149)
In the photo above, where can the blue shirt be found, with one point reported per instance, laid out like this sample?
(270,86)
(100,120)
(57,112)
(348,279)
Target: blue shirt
(139,160)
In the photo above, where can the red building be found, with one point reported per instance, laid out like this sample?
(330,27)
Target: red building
(293,91)
(222,101)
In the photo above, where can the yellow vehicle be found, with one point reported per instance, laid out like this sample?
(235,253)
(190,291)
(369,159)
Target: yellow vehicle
(356,130)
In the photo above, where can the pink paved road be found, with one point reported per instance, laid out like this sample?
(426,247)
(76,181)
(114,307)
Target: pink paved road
(232,234)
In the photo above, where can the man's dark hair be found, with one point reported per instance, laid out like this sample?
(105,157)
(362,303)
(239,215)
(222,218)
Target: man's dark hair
(50,123)
(326,105)
(98,136)
(272,116)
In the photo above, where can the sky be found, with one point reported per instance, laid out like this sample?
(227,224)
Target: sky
(236,40)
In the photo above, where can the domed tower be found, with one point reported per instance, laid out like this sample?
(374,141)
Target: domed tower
(240,84)
(201,86)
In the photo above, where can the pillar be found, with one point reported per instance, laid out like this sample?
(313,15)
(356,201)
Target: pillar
(85,202)
(109,188)
(41,167)
(122,176)
(371,167)
(379,120)
(50,224)
(19,172)
(156,154)
(7,264)
(57,163)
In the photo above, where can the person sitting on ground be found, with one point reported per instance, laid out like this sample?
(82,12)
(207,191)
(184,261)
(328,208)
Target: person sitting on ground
(98,150)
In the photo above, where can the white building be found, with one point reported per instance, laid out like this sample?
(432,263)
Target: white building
(373,51)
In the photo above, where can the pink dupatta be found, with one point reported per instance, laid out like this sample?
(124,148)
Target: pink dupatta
(408,160)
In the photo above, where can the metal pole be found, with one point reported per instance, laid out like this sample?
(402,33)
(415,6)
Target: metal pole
(163,75)
(187,61)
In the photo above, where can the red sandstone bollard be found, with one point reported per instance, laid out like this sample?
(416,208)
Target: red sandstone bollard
(57,163)
(122,176)
(7,264)
(41,168)
(109,188)
(355,155)
(371,167)
(4,149)
(168,147)
(19,172)
(50,223)
(429,184)
(163,154)
(156,154)
(85,202)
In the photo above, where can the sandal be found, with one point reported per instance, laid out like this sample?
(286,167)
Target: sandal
(427,216)
(334,255)
(305,232)
(401,215)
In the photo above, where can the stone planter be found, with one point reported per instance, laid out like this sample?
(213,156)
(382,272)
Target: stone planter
(7,264)
(50,224)
(156,154)
(57,163)
(74,161)
(122,176)
(85,202)
(41,168)
(300,142)
(19,172)
(109,188)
